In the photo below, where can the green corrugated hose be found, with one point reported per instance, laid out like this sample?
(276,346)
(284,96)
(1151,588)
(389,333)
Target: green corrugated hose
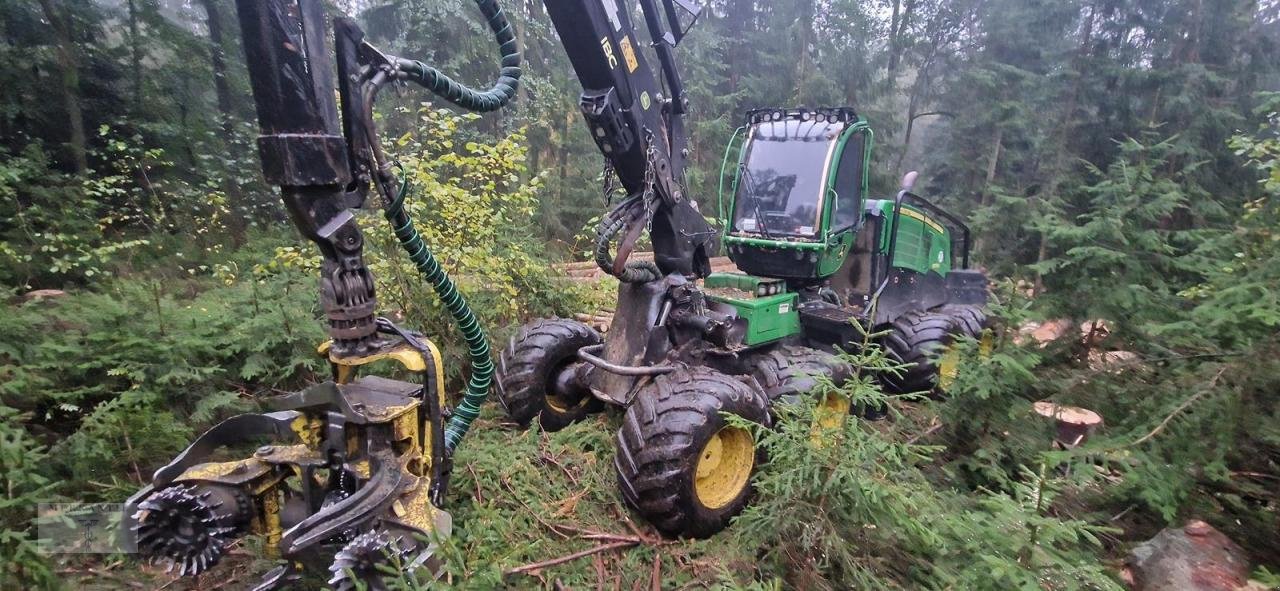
(490,100)
(500,94)
(477,343)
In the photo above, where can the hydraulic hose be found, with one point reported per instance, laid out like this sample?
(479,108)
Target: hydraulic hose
(472,100)
(477,344)
(610,226)
(402,225)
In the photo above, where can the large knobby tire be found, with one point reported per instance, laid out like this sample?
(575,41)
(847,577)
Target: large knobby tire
(528,366)
(679,464)
(970,320)
(919,339)
(787,373)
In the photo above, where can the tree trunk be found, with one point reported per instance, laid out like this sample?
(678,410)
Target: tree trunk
(66,52)
(738,15)
(236,222)
(896,44)
(805,21)
(893,37)
(1058,142)
(218,63)
(135,58)
(997,143)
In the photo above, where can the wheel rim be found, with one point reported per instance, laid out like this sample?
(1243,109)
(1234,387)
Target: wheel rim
(948,368)
(559,403)
(831,412)
(724,466)
(986,344)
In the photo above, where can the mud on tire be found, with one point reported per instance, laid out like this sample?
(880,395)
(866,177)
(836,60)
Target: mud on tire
(664,435)
(528,365)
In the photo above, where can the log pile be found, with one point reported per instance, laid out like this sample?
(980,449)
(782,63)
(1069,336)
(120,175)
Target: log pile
(588,271)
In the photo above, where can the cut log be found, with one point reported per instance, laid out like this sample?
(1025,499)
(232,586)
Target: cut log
(1074,424)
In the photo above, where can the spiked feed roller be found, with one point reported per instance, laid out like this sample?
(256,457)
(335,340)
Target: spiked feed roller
(367,557)
(189,525)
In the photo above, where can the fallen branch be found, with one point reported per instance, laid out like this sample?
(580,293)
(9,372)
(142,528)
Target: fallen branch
(479,497)
(570,558)
(590,534)
(1181,407)
(934,428)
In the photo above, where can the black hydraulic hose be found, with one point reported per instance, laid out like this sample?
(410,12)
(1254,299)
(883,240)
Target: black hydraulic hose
(472,100)
(613,223)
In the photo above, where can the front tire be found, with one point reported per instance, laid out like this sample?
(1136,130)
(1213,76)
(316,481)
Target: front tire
(527,369)
(680,465)
(970,320)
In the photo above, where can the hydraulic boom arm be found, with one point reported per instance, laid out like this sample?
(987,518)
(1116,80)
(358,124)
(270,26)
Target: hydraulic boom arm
(637,121)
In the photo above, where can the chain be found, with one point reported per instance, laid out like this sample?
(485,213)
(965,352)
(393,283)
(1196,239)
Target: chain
(650,178)
(610,182)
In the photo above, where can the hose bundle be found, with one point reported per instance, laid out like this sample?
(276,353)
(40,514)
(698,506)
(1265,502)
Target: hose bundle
(610,226)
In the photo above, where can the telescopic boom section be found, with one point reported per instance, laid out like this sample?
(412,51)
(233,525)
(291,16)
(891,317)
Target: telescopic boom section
(637,121)
(304,152)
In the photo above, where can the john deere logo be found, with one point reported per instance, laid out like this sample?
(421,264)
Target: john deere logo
(644,100)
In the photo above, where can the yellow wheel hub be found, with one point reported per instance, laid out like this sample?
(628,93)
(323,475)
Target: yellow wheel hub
(559,404)
(829,416)
(831,412)
(986,344)
(724,466)
(948,368)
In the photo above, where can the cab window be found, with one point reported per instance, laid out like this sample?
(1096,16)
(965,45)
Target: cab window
(848,184)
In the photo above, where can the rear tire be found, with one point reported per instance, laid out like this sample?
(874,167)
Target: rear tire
(679,464)
(970,320)
(787,373)
(528,366)
(918,338)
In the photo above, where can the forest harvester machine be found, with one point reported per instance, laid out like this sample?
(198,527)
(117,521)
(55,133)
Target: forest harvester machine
(353,471)
(822,264)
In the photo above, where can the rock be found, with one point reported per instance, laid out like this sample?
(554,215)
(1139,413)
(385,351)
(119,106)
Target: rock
(1195,557)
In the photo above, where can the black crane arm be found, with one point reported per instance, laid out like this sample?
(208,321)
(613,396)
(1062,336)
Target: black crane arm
(637,122)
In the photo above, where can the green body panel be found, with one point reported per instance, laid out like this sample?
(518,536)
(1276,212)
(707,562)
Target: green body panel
(923,246)
(830,260)
(769,318)
(739,281)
